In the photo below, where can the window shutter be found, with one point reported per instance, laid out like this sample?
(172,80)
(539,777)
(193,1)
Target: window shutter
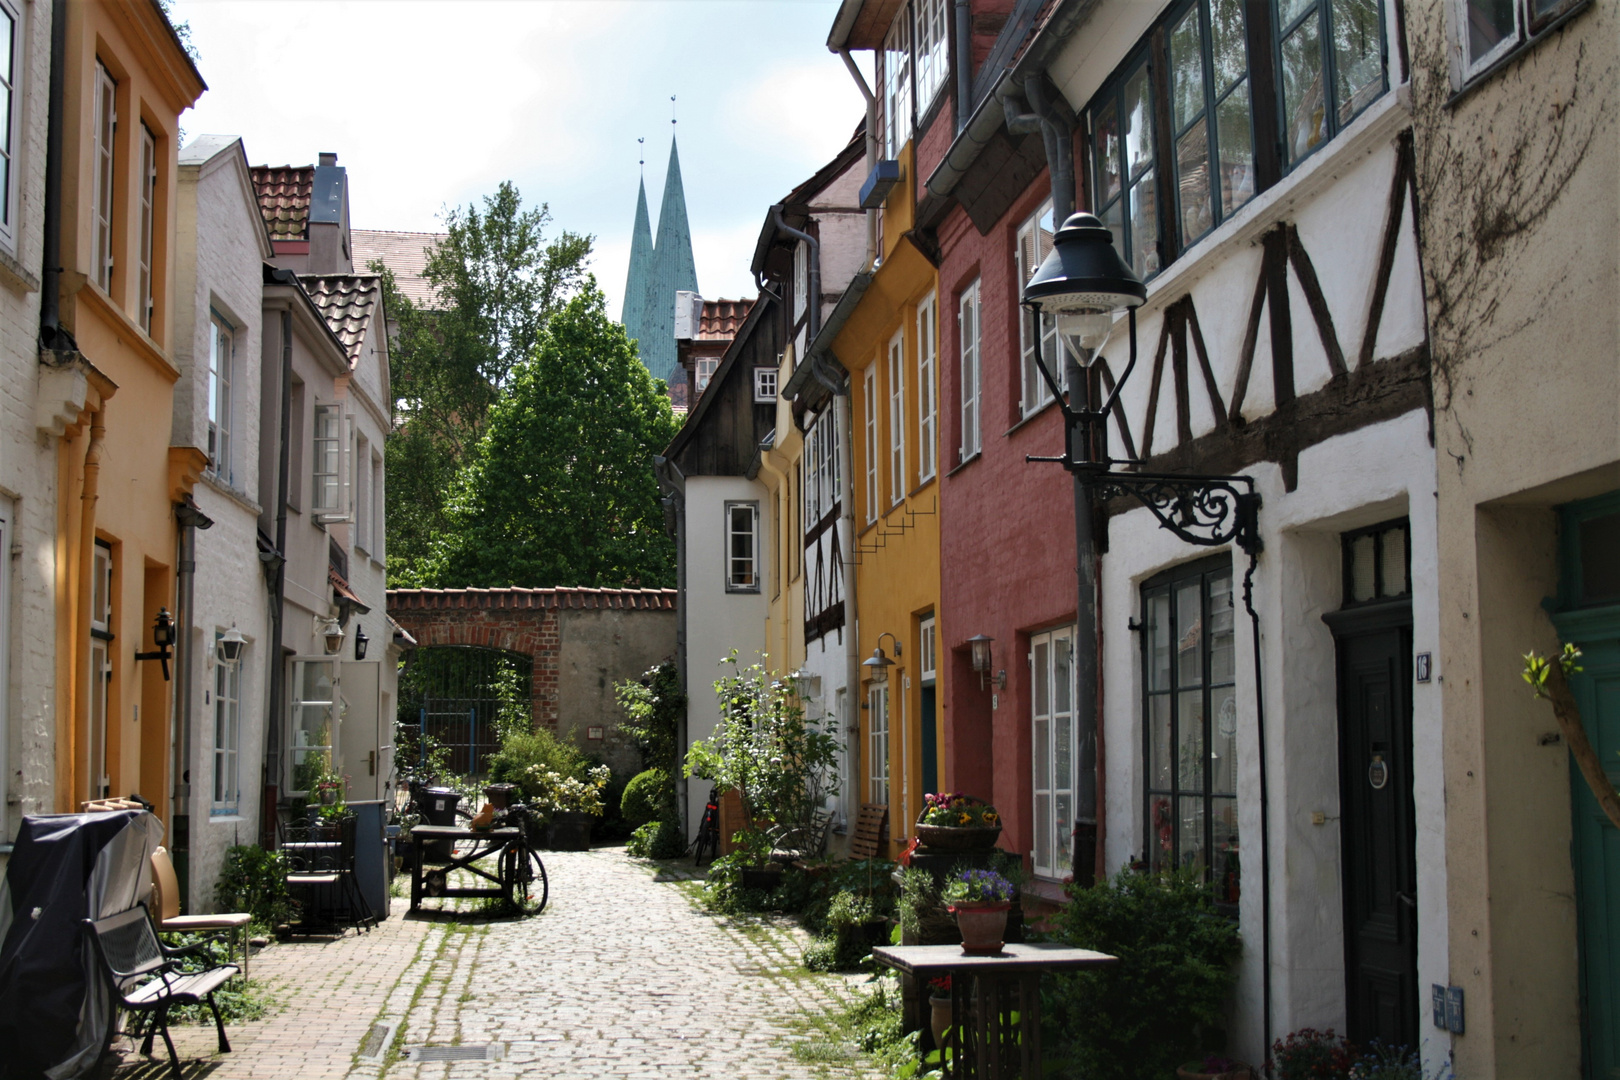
(346,469)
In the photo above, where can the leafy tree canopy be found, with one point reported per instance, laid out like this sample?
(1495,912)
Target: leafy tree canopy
(560,490)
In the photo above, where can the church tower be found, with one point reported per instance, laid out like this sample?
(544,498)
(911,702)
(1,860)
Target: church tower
(658,270)
(634,313)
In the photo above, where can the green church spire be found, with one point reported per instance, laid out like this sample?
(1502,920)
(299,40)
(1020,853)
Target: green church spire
(634,312)
(666,269)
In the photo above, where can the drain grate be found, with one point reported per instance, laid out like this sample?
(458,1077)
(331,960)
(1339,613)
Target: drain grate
(486,1052)
(377,1040)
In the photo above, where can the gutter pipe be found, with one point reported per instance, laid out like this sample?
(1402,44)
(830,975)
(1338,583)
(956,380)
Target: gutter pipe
(50,300)
(190,519)
(964,62)
(871,144)
(815,267)
(278,594)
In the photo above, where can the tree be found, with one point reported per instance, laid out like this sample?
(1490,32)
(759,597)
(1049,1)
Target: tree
(497,281)
(560,490)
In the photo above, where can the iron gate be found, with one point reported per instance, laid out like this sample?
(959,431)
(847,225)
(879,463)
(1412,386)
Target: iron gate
(454,694)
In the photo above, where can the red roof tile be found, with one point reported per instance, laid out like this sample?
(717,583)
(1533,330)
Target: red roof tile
(722,318)
(582,599)
(405,253)
(347,302)
(284,194)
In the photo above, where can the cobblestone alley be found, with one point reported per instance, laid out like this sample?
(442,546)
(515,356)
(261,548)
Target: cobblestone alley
(621,976)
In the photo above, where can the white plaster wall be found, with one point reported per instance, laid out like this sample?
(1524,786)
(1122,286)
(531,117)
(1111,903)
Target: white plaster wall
(1376,473)
(717,622)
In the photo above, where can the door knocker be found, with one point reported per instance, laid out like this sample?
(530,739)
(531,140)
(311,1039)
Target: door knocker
(1378,773)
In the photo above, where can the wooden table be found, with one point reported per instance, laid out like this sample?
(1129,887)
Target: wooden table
(995,1001)
(485,842)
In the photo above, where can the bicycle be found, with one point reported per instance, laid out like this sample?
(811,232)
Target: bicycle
(522,872)
(708,831)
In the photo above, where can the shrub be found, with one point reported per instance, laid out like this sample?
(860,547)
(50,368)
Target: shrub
(1308,1054)
(525,757)
(646,796)
(1164,1002)
(255,881)
(657,840)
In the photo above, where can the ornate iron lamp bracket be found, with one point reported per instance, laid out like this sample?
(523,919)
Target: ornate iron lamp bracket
(1205,510)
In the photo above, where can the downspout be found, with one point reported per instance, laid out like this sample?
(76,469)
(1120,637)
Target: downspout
(852,650)
(815,273)
(871,147)
(278,594)
(964,63)
(88,494)
(190,519)
(1056,133)
(50,300)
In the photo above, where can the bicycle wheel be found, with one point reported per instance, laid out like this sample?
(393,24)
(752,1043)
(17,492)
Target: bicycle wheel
(527,880)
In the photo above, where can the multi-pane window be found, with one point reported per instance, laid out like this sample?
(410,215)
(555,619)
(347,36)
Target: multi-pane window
(1489,29)
(1331,54)
(314,728)
(1209,98)
(379,530)
(1037,334)
(101,209)
(1189,713)
(10,116)
(227,731)
(932,52)
(869,398)
(765,386)
(221,360)
(821,475)
(326,470)
(362,494)
(897,417)
(1052,694)
(877,745)
(927,650)
(742,547)
(1377,563)
(967,322)
(705,368)
(801,279)
(895,82)
(100,674)
(927,390)
(1125,182)
(147,180)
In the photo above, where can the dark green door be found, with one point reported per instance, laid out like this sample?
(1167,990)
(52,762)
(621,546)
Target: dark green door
(1590,619)
(930,742)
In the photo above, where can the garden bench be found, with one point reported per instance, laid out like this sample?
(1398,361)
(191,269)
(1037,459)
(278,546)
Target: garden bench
(869,831)
(145,976)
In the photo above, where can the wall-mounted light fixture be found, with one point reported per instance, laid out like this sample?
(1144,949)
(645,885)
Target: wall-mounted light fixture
(360,642)
(163,638)
(333,633)
(230,646)
(979,645)
(877,668)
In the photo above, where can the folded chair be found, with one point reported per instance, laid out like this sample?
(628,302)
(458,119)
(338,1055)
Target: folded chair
(166,905)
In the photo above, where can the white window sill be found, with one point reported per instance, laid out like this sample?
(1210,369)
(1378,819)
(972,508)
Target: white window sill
(235,494)
(230,817)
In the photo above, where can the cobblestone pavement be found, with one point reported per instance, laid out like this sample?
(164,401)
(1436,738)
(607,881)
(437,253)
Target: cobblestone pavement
(621,977)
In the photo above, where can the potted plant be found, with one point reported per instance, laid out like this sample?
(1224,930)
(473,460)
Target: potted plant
(572,804)
(980,900)
(939,1004)
(1309,1054)
(958,823)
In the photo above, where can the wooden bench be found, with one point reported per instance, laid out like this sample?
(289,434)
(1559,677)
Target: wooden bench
(146,977)
(870,829)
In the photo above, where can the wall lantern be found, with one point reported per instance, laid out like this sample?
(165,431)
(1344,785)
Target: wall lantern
(333,633)
(230,646)
(877,668)
(980,646)
(360,642)
(163,638)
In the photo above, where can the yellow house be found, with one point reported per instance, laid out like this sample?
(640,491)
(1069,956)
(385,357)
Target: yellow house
(124,491)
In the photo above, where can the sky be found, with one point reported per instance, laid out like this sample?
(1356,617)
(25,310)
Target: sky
(431,105)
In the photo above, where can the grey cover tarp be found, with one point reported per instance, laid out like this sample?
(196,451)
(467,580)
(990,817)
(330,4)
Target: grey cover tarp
(54,1005)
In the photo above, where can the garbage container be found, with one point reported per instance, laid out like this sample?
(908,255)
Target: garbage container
(438,805)
(371,855)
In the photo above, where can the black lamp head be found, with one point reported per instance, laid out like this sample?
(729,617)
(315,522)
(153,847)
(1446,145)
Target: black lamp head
(163,629)
(360,642)
(1083,269)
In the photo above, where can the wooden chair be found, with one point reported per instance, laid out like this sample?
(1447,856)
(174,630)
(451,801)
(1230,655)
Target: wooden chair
(869,839)
(166,905)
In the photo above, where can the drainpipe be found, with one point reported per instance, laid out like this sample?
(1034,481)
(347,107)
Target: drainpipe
(673,481)
(964,63)
(190,519)
(50,300)
(815,272)
(88,495)
(852,651)
(1057,135)
(871,147)
(278,592)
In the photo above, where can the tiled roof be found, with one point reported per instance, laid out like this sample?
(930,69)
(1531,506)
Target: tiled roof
(405,253)
(284,193)
(721,318)
(513,599)
(346,301)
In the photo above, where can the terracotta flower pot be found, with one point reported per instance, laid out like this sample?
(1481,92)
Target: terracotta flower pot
(983,927)
(940,1019)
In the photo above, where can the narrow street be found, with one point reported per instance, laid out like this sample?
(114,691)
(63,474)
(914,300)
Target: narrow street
(621,977)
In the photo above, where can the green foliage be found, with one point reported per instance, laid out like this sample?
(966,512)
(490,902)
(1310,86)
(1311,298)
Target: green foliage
(657,840)
(1309,1054)
(1165,1000)
(919,896)
(255,881)
(646,796)
(1536,668)
(496,279)
(238,999)
(849,909)
(525,757)
(560,490)
(654,705)
(977,887)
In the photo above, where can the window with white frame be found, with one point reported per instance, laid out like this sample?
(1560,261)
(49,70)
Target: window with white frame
(869,399)
(329,470)
(10,123)
(1490,29)
(1037,334)
(821,476)
(313,721)
(147,180)
(101,203)
(765,385)
(801,280)
(227,731)
(1052,694)
(877,755)
(100,674)
(927,390)
(932,50)
(362,493)
(927,650)
(895,82)
(379,530)
(897,417)
(221,375)
(967,339)
(703,371)
(742,547)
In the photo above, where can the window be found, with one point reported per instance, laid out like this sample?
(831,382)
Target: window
(1490,29)
(1331,55)
(705,369)
(1052,692)
(967,323)
(765,385)
(101,211)
(1036,331)
(1210,122)
(221,361)
(101,636)
(1189,714)
(227,729)
(742,547)
(10,118)
(869,397)
(932,54)
(1125,184)
(1377,563)
(148,186)
(801,279)
(314,730)
(895,80)
(877,757)
(329,470)
(897,417)
(927,391)
(379,530)
(362,494)
(927,649)
(7,538)
(821,476)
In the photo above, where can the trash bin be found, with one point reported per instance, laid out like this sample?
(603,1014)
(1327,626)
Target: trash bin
(438,806)
(371,862)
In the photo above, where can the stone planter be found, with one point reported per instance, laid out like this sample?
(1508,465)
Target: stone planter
(940,1018)
(570,830)
(954,838)
(983,927)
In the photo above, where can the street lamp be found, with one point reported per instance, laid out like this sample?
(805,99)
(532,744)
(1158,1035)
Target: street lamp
(360,642)
(333,633)
(979,646)
(877,667)
(1083,285)
(163,636)
(230,646)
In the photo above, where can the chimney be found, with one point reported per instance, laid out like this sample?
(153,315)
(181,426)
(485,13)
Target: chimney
(328,158)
